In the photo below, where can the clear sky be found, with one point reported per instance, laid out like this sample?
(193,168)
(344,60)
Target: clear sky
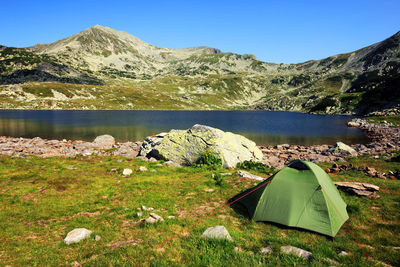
(275,31)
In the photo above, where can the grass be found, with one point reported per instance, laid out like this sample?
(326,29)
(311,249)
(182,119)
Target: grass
(394,120)
(43,199)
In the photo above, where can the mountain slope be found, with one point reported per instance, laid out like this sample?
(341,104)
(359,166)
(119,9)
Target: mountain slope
(132,74)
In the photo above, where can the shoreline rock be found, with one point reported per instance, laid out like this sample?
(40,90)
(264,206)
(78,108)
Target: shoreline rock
(383,140)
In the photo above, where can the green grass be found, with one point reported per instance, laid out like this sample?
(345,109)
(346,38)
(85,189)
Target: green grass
(43,199)
(394,120)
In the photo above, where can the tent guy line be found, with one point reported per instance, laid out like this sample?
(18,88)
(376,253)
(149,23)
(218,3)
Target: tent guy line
(351,231)
(214,212)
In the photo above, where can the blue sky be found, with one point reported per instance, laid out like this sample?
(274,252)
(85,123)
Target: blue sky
(274,31)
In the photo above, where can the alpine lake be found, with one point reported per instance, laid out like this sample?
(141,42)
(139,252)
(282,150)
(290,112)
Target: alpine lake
(263,127)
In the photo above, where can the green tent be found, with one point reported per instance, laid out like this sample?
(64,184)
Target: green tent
(300,195)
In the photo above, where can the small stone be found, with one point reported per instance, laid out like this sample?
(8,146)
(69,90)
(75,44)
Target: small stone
(171,217)
(127,172)
(171,164)
(250,176)
(296,251)
(97,238)
(139,214)
(157,217)
(104,141)
(150,220)
(77,235)
(144,208)
(150,209)
(209,190)
(217,232)
(238,249)
(343,253)
(154,218)
(152,159)
(142,168)
(331,262)
(266,250)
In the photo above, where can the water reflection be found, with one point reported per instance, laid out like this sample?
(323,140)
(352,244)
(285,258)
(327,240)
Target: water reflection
(262,127)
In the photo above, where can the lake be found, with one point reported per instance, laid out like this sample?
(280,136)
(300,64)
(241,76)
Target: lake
(263,127)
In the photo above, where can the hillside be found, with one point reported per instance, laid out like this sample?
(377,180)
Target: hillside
(102,68)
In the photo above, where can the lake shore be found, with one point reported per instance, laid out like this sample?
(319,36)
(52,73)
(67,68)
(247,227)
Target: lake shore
(383,139)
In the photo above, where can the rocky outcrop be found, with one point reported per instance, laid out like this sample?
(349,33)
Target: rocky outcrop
(186,146)
(359,189)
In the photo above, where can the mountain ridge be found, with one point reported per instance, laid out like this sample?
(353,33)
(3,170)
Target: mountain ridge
(206,78)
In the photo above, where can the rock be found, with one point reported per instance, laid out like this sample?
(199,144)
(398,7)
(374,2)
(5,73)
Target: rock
(186,146)
(238,249)
(331,262)
(104,141)
(217,232)
(150,220)
(142,168)
(139,214)
(296,251)
(359,189)
(343,253)
(171,164)
(143,208)
(250,176)
(127,172)
(97,238)
(77,235)
(154,218)
(266,250)
(353,124)
(342,147)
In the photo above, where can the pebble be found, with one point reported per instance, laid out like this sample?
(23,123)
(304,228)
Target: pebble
(343,253)
(266,250)
(142,169)
(127,172)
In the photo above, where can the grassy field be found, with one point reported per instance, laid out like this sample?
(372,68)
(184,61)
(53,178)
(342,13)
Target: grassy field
(43,199)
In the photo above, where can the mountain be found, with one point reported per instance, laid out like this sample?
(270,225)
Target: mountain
(102,68)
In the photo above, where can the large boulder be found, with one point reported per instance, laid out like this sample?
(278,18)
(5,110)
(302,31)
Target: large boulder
(343,148)
(186,146)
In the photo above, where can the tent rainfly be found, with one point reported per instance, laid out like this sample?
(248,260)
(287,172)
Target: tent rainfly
(300,195)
